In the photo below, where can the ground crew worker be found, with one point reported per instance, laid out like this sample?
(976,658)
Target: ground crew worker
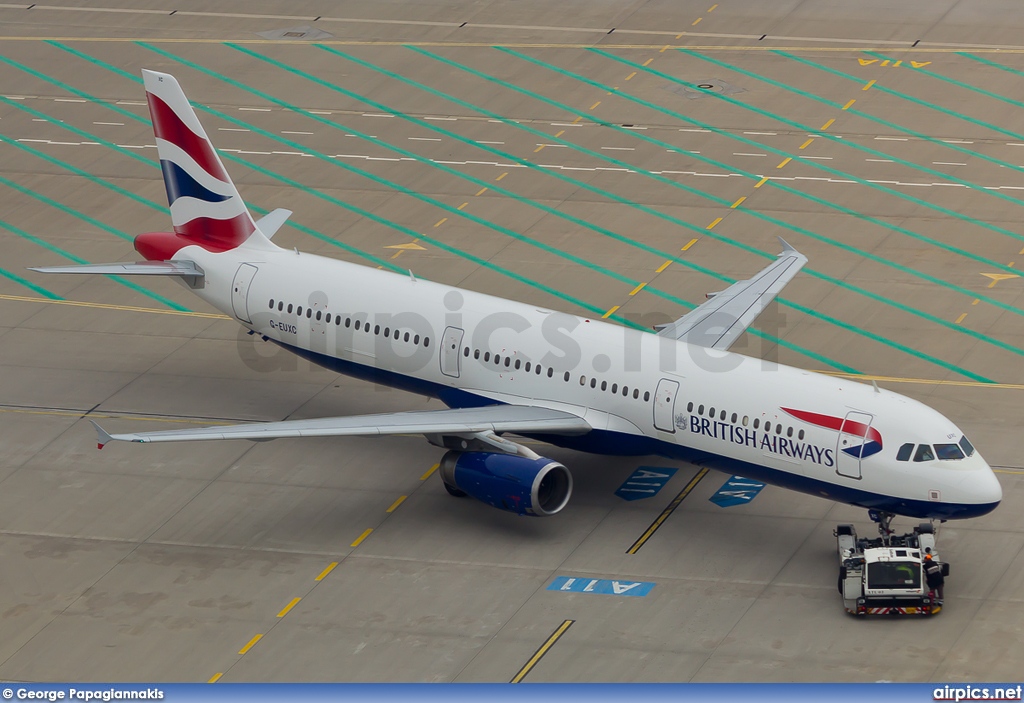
(933,574)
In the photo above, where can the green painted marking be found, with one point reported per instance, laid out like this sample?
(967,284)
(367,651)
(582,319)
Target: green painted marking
(27,283)
(699,230)
(1003,98)
(853,111)
(833,138)
(726,202)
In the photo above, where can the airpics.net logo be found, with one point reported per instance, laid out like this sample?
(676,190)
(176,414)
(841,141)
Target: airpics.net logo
(494,341)
(978,693)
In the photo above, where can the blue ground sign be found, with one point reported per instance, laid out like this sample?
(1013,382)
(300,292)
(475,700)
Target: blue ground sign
(645,482)
(736,491)
(576,584)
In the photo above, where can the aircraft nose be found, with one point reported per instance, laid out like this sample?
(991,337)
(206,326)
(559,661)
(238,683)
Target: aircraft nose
(983,487)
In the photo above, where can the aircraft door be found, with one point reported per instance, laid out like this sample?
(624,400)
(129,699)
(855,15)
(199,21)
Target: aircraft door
(240,291)
(451,349)
(852,442)
(665,405)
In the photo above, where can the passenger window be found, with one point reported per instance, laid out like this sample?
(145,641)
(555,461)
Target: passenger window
(700,409)
(757,422)
(789,431)
(376,329)
(767,426)
(426,342)
(537,369)
(508,361)
(497,360)
(733,419)
(778,429)
(527,367)
(298,310)
(551,371)
(625,390)
(722,415)
(319,314)
(711,413)
(615,388)
(518,362)
(289,308)
(487,356)
(924,453)
(416,339)
(800,434)
(465,352)
(387,331)
(567,376)
(636,393)
(280,306)
(476,353)
(948,452)
(309,312)
(904,452)
(407,339)
(689,407)
(745,420)
(593,383)
(359,324)
(583,380)
(647,396)
(327,317)
(348,322)
(271,303)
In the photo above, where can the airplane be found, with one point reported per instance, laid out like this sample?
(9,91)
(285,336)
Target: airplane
(507,368)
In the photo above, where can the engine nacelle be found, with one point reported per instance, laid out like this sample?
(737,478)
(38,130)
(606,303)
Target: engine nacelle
(520,485)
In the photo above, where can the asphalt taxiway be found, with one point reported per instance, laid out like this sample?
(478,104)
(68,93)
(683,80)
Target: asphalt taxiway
(617,161)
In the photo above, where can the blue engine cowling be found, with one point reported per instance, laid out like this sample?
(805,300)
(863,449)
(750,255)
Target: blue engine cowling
(520,485)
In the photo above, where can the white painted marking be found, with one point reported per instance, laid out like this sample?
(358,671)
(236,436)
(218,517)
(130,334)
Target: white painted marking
(618,148)
(764,134)
(265,153)
(556,146)
(820,158)
(22,97)
(740,153)
(684,129)
(129,102)
(442,119)
(321,112)
(628,127)
(130,146)
(620,588)
(68,100)
(881,161)
(1014,144)
(285,131)
(566,124)
(77,144)
(892,139)
(424,139)
(40,141)
(232,129)
(375,114)
(112,124)
(481,141)
(948,163)
(957,141)
(255,109)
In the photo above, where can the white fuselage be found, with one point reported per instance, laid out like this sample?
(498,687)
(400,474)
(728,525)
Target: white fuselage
(680,401)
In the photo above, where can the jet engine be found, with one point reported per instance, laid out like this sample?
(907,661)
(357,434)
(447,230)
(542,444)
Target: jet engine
(518,484)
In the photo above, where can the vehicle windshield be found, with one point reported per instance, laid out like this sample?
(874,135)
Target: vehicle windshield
(948,451)
(966,446)
(894,574)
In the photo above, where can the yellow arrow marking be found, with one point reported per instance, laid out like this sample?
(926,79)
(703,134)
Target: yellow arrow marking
(919,64)
(866,62)
(410,245)
(996,277)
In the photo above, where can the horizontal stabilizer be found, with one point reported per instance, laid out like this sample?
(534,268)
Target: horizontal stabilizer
(460,421)
(186,269)
(272,221)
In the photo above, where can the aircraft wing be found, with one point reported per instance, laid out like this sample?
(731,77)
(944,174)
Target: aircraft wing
(492,418)
(720,321)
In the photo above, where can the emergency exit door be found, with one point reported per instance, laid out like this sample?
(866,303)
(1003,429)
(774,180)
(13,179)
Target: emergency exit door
(852,443)
(451,347)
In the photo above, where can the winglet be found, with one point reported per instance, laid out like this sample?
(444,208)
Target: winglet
(102,437)
(786,247)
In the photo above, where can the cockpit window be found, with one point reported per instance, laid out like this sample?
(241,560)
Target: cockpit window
(924,453)
(948,452)
(904,453)
(966,446)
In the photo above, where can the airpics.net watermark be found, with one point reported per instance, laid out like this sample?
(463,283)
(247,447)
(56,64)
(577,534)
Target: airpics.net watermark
(409,343)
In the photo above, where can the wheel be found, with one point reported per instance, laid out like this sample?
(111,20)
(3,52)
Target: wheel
(453,491)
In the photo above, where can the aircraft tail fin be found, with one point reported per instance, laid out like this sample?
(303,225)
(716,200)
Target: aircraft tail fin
(206,208)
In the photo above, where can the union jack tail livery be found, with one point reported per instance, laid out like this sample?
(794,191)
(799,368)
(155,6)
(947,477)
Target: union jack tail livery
(206,209)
